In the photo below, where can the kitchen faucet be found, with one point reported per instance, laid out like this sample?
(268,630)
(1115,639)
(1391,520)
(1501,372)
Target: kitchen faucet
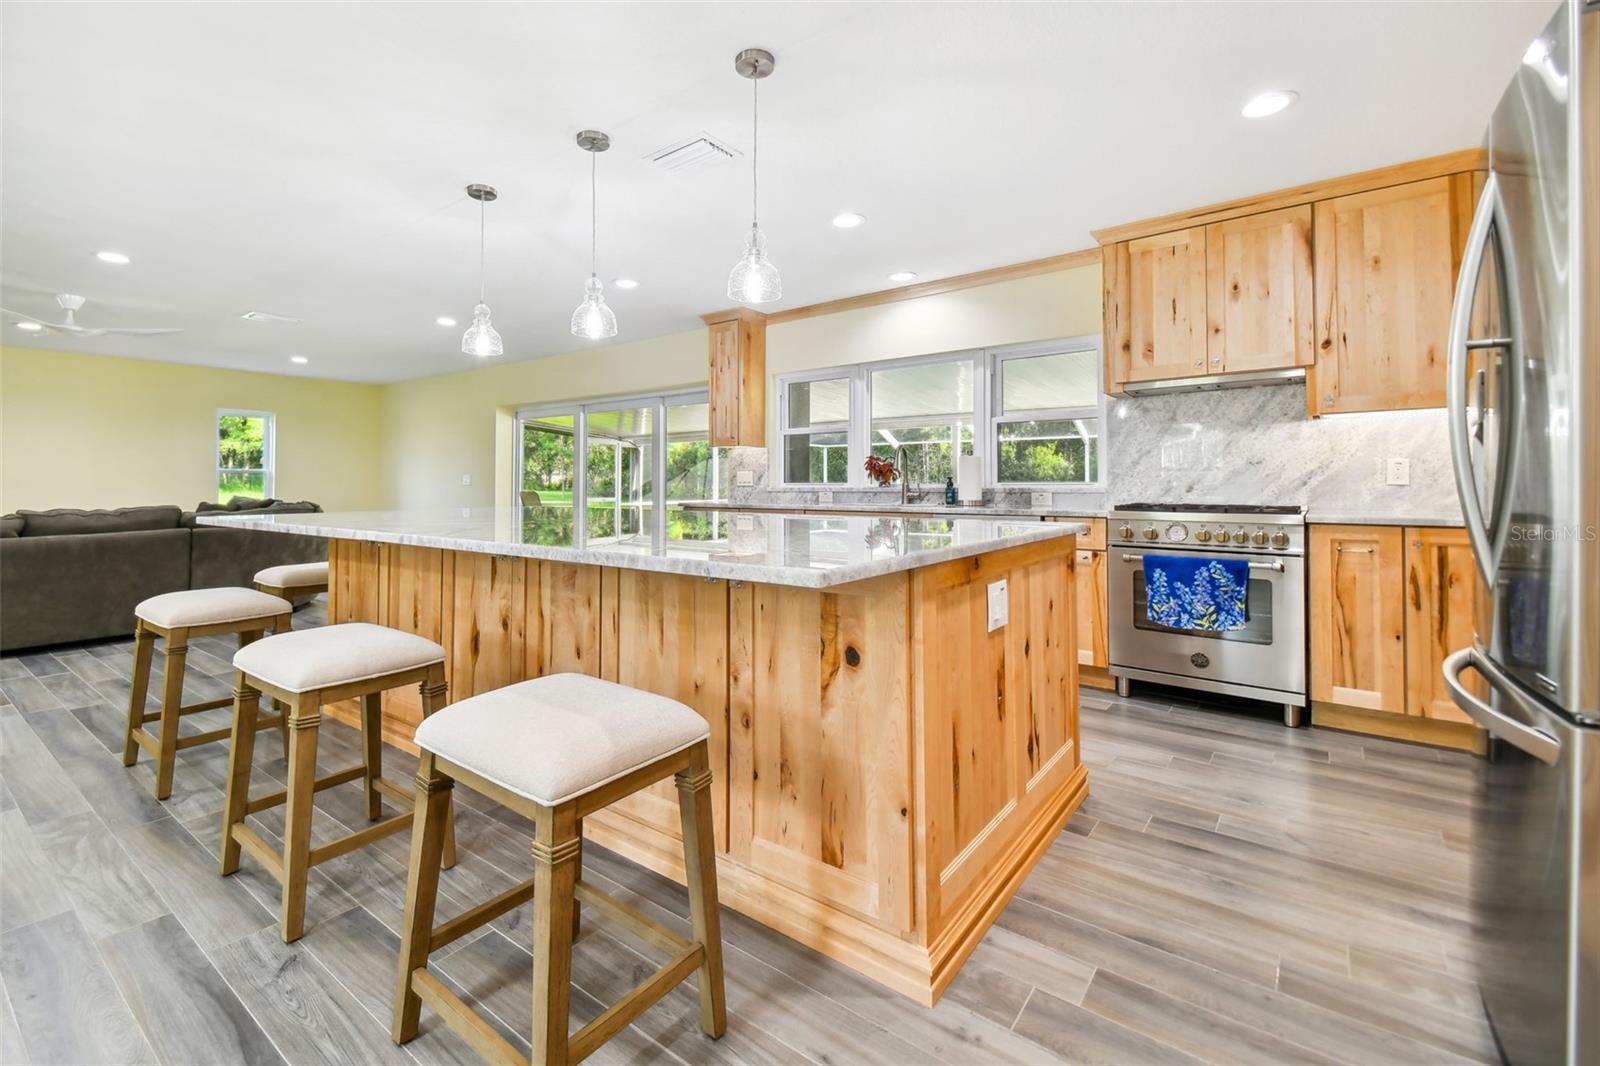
(906,495)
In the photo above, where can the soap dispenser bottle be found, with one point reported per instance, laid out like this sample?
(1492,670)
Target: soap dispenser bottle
(949,490)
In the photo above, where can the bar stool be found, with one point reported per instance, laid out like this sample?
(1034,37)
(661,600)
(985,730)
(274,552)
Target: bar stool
(293,580)
(175,617)
(305,670)
(555,749)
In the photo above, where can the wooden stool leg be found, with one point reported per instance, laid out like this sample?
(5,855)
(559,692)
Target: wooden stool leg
(303,724)
(700,865)
(241,749)
(433,698)
(372,750)
(555,875)
(432,813)
(176,654)
(277,706)
(144,646)
(577,915)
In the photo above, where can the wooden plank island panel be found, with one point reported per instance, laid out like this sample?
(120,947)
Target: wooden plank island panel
(887,769)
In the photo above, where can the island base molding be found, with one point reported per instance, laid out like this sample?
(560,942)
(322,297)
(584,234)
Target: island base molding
(887,767)
(1440,734)
(919,972)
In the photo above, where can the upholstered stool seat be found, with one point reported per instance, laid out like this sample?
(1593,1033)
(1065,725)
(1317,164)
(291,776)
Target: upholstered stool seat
(554,738)
(305,670)
(335,655)
(175,617)
(294,579)
(205,607)
(556,749)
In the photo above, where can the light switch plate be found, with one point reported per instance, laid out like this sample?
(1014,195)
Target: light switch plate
(743,523)
(1042,499)
(1397,471)
(999,605)
(744,478)
(825,496)
(466,479)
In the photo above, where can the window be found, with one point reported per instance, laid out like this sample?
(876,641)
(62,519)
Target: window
(1031,414)
(639,454)
(244,454)
(1046,424)
(815,424)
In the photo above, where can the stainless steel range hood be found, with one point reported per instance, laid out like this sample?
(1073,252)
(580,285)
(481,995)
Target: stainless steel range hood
(1214,382)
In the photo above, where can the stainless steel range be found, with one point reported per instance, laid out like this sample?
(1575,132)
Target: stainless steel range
(1263,659)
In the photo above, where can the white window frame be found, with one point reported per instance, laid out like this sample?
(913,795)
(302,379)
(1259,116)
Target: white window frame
(998,357)
(980,384)
(269,450)
(855,437)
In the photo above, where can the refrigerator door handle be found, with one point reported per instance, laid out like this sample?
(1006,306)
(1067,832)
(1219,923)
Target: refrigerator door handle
(1536,742)
(1487,534)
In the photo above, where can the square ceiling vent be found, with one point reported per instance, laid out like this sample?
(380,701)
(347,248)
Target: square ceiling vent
(700,152)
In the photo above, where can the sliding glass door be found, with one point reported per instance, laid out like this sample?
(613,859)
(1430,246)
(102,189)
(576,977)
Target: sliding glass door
(640,454)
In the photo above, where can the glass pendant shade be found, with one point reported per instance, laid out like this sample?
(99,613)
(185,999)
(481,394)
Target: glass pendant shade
(481,338)
(754,280)
(593,320)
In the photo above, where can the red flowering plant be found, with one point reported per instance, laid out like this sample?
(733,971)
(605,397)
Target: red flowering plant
(881,470)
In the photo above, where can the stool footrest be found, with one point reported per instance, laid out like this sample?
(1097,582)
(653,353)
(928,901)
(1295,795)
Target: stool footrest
(485,912)
(207,737)
(360,838)
(644,996)
(193,708)
(259,849)
(463,1020)
(401,795)
(273,799)
(642,926)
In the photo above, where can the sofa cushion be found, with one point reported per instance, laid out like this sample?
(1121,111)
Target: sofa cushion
(68,520)
(11,525)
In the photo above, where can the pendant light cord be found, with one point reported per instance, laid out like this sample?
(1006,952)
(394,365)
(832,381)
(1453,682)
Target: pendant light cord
(594,224)
(480,249)
(755,148)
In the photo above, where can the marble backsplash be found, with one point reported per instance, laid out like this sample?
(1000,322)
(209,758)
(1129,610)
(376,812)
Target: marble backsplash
(1256,445)
(1250,445)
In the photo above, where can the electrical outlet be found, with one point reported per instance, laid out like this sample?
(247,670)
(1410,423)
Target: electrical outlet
(743,523)
(1042,499)
(825,496)
(1397,471)
(999,605)
(466,479)
(744,478)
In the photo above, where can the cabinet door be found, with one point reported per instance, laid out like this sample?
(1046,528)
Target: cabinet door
(1258,281)
(1385,268)
(1441,580)
(725,392)
(1090,582)
(1358,617)
(1157,311)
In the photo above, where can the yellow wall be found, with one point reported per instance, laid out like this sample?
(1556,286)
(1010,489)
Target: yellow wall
(96,431)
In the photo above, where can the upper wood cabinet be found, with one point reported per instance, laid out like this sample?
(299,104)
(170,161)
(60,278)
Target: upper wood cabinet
(1357,617)
(1155,306)
(1258,292)
(1441,585)
(1385,264)
(737,353)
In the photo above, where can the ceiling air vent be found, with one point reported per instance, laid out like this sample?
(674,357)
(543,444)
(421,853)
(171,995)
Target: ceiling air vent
(700,152)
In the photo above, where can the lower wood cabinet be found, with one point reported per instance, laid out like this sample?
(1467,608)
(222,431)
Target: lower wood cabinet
(1093,641)
(1387,605)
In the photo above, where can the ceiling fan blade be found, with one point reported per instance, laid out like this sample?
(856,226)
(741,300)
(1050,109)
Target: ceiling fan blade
(26,318)
(136,332)
(71,329)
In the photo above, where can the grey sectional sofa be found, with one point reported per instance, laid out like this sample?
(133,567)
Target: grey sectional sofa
(69,575)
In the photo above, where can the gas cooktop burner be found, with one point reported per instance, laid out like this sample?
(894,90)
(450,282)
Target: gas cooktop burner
(1210,508)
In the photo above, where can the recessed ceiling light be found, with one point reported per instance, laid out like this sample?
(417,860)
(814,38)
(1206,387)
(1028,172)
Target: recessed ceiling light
(848,220)
(1268,103)
(625,283)
(299,359)
(268,316)
(113,257)
(903,275)
(31,327)
(445,320)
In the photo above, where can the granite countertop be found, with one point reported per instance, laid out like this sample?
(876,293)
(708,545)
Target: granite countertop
(940,509)
(806,551)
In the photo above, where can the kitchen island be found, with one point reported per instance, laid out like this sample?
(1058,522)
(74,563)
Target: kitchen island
(890,760)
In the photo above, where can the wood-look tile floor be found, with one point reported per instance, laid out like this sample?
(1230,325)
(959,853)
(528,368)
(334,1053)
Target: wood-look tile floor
(1231,891)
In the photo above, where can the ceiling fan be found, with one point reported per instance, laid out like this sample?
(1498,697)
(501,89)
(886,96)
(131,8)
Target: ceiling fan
(71,303)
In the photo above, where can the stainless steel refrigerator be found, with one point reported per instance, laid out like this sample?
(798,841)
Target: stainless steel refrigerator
(1524,407)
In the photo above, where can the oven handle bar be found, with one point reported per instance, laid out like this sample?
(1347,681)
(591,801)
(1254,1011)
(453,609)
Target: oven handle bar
(1277,567)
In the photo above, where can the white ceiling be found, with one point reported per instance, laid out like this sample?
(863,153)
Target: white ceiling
(309,159)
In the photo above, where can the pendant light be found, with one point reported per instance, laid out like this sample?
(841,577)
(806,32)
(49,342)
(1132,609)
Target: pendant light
(754,280)
(593,320)
(480,338)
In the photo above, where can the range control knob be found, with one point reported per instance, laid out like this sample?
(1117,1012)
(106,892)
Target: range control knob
(1240,536)
(1259,538)
(1177,532)
(1280,539)
(1124,532)
(1151,533)
(1202,535)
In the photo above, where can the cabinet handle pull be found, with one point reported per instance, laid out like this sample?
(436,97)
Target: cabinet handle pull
(1352,551)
